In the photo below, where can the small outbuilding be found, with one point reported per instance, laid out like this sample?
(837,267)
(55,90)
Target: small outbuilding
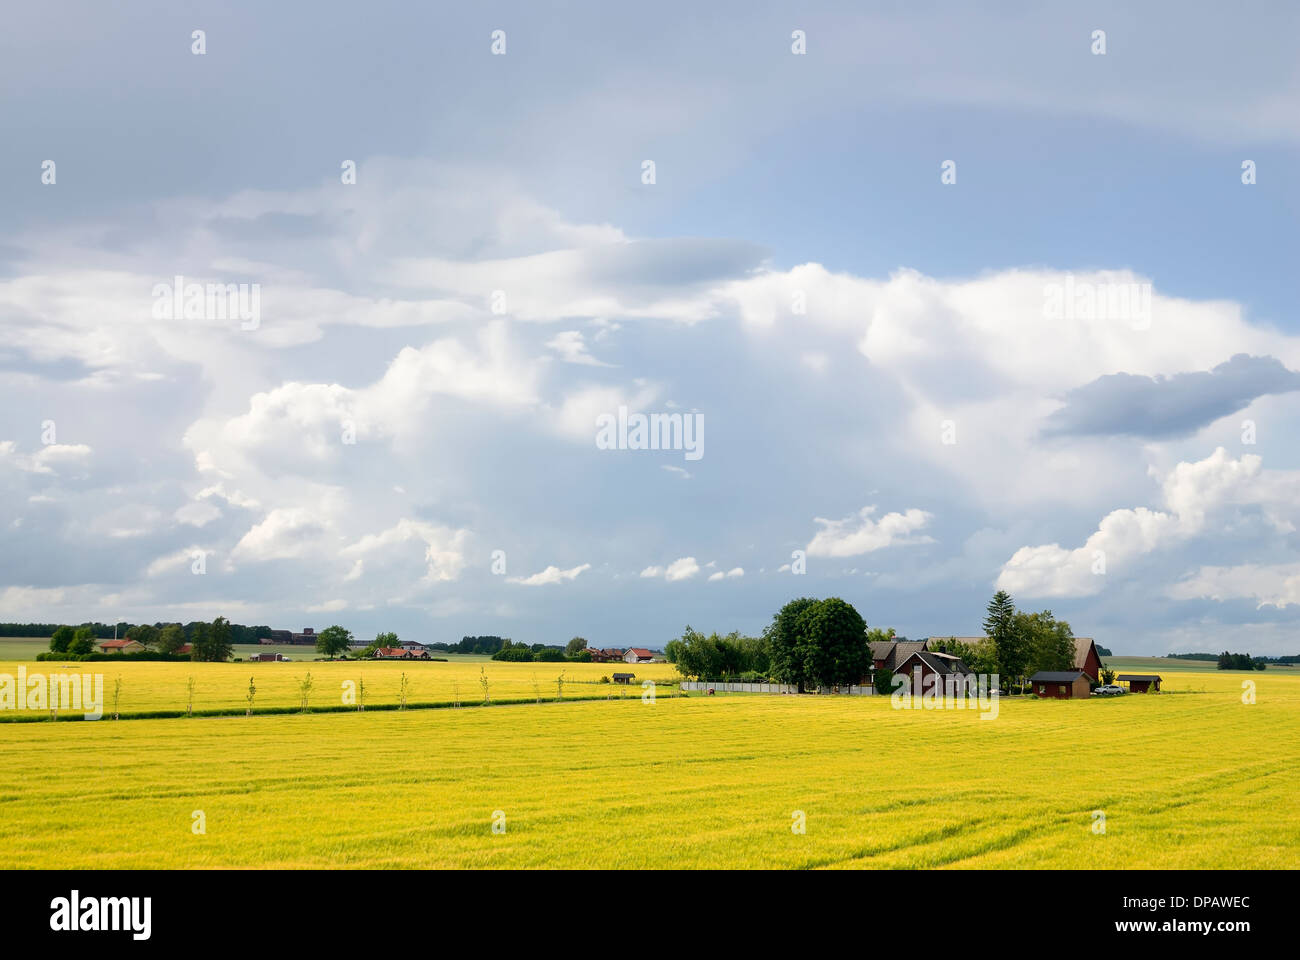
(624,677)
(1061,684)
(1141,682)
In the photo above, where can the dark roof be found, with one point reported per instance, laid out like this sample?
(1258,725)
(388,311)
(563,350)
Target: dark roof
(1138,676)
(938,662)
(895,652)
(625,674)
(1057,676)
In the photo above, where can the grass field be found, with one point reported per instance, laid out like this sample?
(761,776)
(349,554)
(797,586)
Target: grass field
(1185,779)
(152,686)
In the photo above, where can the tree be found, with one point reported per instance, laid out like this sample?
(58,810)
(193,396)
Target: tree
(1000,626)
(388,639)
(83,641)
(514,653)
(61,639)
(883,678)
(836,651)
(786,637)
(211,642)
(1049,643)
(144,634)
(980,656)
(572,648)
(171,638)
(334,640)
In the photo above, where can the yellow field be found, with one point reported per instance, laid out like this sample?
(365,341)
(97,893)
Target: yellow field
(151,686)
(1192,779)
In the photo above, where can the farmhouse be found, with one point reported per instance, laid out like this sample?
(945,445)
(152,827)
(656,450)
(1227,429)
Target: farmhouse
(889,654)
(638,655)
(1140,682)
(1061,684)
(605,656)
(624,677)
(399,653)
(120,646)
(931,663)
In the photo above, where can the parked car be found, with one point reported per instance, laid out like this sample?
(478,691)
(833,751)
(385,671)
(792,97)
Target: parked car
(1109,690)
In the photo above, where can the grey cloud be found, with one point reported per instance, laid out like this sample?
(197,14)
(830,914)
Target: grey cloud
(1127,404)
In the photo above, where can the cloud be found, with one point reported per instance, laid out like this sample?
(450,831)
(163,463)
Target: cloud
(1269,585)
(853,536)
(681,569)
(732,573)
(1179,405)
(1191,492)
(551,574)
(571,347)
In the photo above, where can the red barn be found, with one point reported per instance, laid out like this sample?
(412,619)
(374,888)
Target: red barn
(1061,684)
(1086,658)
(1140,682)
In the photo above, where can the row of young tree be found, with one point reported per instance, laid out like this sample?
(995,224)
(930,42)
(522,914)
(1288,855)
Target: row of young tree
(824,643)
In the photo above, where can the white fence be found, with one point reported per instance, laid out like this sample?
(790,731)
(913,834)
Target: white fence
(730,687)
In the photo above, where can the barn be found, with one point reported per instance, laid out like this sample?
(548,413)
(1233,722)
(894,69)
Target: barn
(1141,682)
(1061,684)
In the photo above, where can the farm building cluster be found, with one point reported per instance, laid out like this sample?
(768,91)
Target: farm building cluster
(911,657)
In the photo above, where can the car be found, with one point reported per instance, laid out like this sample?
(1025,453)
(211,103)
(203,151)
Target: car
(1109,690)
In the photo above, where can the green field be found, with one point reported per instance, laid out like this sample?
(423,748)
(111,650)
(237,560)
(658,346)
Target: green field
(1184,778)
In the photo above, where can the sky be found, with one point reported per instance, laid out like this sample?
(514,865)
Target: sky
(956,300)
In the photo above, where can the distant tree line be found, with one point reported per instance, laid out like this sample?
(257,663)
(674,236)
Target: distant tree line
(1241,661)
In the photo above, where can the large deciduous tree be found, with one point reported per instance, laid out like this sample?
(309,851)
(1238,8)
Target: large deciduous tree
(334,640)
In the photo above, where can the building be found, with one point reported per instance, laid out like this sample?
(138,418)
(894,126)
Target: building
(277,636)
(308,635)
(624,677)
(120,646)
(1086,658)
(413,645)
(929,663)
(889,654)
(638,655)
(1140,682)
(1061,684)
(400,653)
(268,658)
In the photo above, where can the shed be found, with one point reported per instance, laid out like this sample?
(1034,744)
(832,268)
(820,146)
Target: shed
(624,677)
(1061,684)
(1140,682)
